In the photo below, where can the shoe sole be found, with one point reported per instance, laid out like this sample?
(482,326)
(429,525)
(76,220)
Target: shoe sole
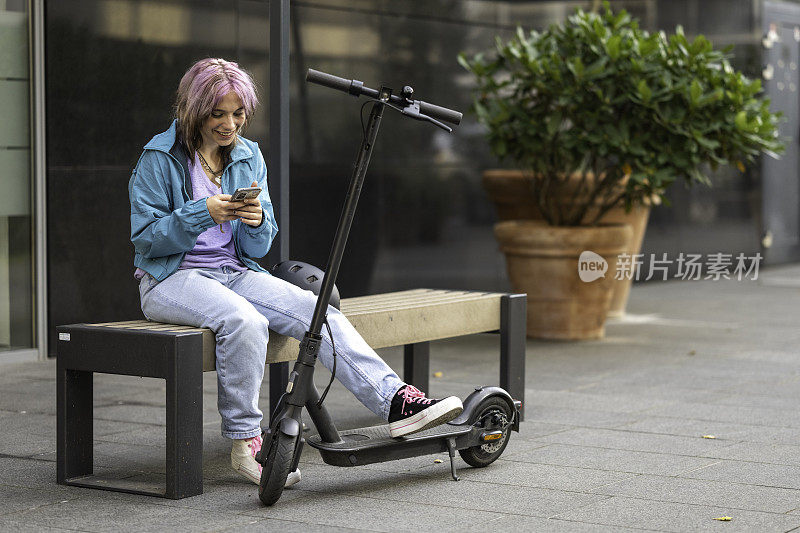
(293,478)
(435,415)
(247,474)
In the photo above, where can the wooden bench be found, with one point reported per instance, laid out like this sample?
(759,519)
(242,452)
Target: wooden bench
(180,354)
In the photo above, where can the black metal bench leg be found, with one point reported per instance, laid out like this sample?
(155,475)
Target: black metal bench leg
(416,364)
(74,423)
(512,346)
(185,420)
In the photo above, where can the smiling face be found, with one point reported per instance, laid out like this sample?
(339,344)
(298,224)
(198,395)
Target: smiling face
(221,127)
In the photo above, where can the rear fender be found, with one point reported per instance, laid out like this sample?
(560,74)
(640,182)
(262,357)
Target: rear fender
(471,403)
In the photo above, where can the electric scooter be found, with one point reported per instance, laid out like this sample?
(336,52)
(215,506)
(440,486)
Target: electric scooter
(480,433)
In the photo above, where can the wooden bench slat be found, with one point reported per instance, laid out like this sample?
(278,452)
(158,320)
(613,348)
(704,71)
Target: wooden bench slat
(407,326)
(356,299)
(389,298)
(411,303)
(390,319)
(394,296)
(118,324)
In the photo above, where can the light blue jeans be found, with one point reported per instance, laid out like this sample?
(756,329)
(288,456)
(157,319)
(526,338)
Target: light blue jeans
(240,308)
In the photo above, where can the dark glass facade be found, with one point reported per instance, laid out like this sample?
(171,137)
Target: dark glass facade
(423,221)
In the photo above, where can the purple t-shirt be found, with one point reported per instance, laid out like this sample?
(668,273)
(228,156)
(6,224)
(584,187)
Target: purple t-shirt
(214,247)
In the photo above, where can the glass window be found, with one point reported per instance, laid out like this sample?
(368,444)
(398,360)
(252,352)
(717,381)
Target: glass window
(16,265)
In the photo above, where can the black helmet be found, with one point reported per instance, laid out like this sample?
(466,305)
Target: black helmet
(305,276)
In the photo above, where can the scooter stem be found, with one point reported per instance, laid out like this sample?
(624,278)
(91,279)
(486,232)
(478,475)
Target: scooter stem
(301,383)
(348,213)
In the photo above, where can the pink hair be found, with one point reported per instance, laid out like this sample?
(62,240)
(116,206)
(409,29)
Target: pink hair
(200,90)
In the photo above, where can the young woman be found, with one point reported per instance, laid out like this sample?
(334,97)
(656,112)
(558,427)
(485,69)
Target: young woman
(194,257)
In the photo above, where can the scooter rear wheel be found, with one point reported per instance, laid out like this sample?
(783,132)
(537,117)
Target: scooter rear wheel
(493,414)
(276,469)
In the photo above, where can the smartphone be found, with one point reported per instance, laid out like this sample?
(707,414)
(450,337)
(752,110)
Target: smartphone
(245,193)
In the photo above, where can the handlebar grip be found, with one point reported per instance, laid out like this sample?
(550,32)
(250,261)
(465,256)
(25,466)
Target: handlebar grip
(357,88)
(440,113)
(328,80)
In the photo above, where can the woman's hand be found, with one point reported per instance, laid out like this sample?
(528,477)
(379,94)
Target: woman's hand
(250,213)
(222,209)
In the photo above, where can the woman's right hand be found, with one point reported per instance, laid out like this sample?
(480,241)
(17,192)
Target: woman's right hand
(221,208)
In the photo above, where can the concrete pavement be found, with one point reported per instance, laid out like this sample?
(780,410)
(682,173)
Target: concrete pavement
(613,440)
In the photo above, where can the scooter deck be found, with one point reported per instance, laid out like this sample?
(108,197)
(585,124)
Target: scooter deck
(374,444)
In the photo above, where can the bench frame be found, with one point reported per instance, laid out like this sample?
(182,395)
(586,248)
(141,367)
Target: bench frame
(174,356)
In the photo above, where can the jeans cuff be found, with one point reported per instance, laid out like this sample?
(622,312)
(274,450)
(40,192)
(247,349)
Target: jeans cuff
(241,435)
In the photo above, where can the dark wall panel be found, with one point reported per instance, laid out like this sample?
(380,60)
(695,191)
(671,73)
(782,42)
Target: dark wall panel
(110,84)
(423,220)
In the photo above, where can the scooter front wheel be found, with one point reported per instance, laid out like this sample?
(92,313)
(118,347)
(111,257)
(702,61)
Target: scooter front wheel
(276,469)
(494,415)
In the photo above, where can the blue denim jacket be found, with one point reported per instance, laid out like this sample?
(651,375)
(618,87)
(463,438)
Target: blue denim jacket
(166,221)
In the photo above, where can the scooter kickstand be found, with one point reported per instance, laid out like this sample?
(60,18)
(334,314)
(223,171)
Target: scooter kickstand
(451,447)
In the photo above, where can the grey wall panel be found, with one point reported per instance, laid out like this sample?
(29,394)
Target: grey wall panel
(13,45)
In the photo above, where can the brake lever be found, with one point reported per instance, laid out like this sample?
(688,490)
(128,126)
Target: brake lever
(435,122)
(412,110)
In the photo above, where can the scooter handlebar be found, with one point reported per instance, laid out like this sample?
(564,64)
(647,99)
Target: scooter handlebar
(328,80)
(356,88)
(440,113)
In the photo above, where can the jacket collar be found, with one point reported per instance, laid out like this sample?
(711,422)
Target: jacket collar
(165,142)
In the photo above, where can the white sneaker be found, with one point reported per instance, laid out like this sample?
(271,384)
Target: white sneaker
(243,460)
(292,479)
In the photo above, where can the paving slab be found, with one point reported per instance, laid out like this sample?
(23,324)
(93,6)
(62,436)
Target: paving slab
(750,473)
(577,417)
(18,523)
(566,478)
(15,499)
(30,473)
(587,400)
(634,462)
(30,403)
(661,516)
(778,454)
(729,431)
(373,514)
(99,513)
(731,413)
(286,526)
(435,487)
(701,492)
(620,439)
(550,525)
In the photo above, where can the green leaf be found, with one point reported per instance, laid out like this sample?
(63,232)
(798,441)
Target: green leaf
(741,121)
(707,143)
(695,91)
(613,47)
(575,66)
(644,91)
(462,60)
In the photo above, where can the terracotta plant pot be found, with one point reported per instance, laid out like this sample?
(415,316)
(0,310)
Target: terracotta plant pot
(542,261)
(511,193)
(637,218)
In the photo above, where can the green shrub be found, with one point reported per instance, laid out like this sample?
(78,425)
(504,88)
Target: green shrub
(629,111)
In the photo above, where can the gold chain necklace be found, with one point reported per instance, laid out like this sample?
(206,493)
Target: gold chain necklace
(216,173)
(215,180)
